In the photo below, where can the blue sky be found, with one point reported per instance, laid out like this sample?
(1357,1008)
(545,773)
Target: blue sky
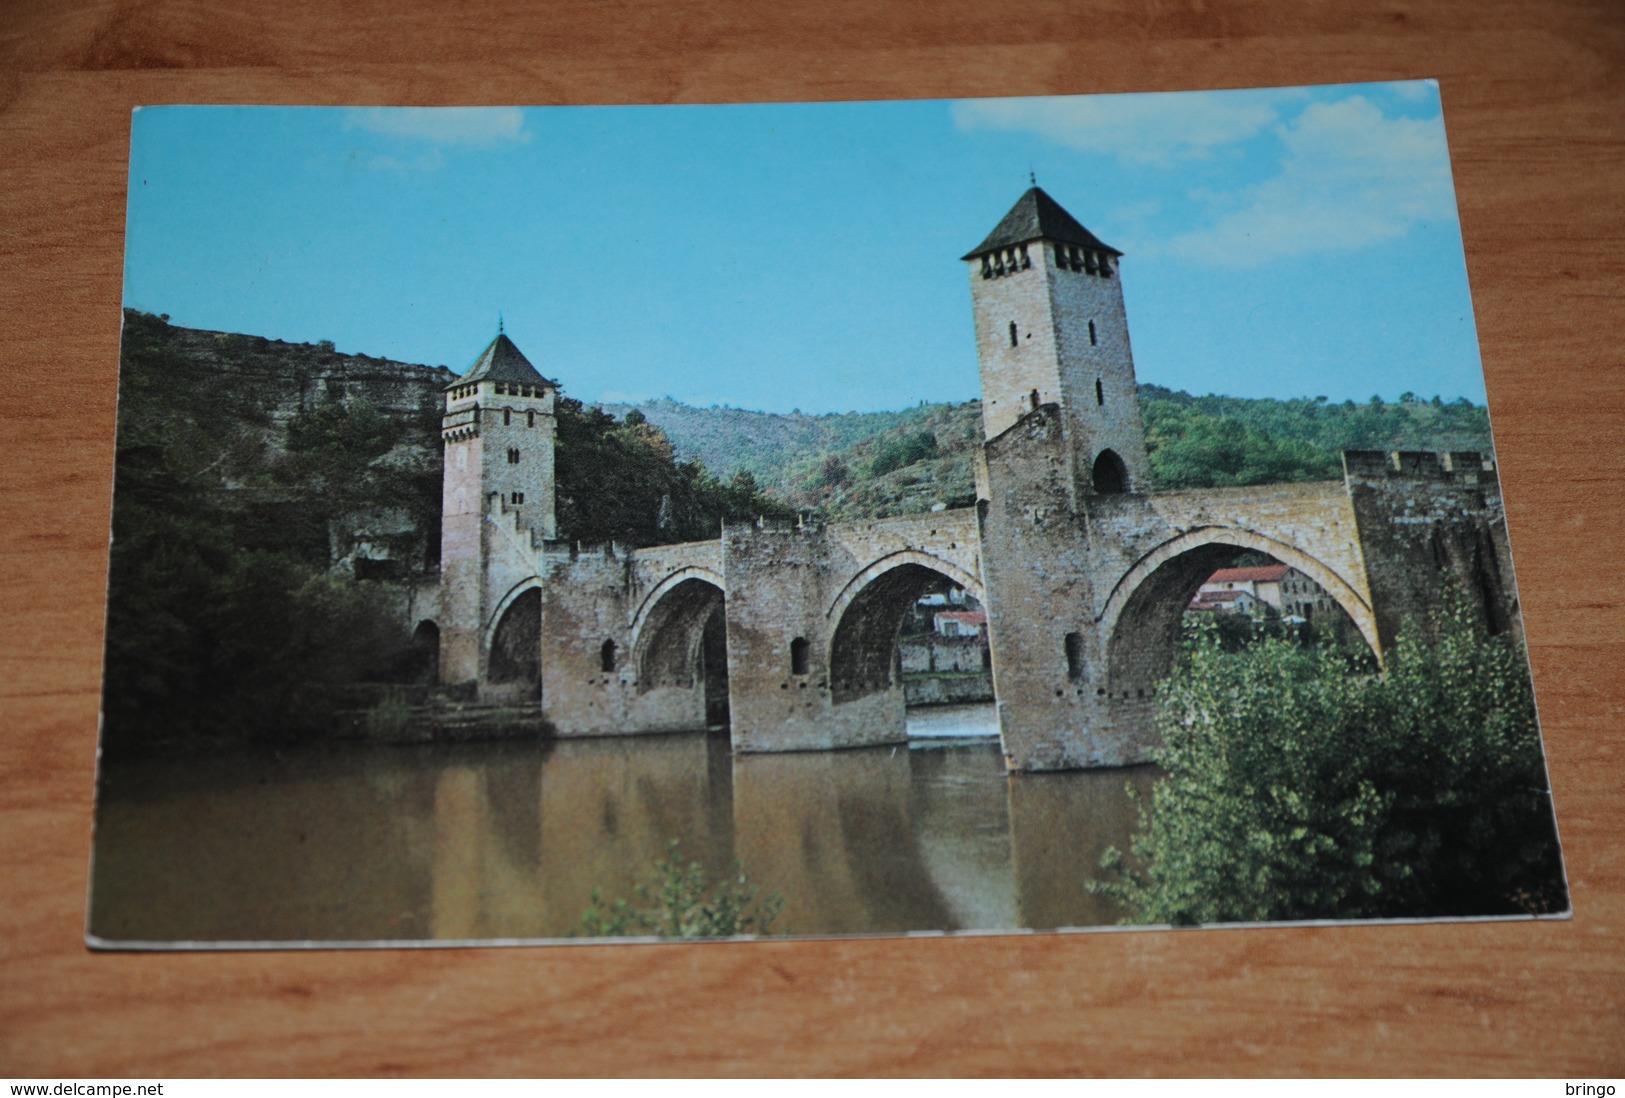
(1282,242)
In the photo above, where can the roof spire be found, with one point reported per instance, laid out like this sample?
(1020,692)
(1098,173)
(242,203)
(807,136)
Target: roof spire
(1037,216)
(501,361)
(1032,176)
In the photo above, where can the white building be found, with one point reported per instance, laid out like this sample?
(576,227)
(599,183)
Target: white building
(1285,589)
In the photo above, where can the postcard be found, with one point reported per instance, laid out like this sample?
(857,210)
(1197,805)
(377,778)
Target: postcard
(991,516)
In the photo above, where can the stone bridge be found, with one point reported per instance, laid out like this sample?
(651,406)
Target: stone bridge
(789,631)
(795,625)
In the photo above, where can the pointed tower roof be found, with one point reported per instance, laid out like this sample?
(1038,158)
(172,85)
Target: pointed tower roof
(502,361)
(1037,216)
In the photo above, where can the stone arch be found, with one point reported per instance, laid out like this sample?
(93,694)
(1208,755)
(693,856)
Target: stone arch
(515,651)
(640,617)
(514,593)
(863,649)
(877,569)
(668,644)
(1140,622)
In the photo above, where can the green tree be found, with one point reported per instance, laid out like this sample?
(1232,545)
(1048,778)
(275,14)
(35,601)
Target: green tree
(677,901)
(1192,450)
(210,642)
(1300,787)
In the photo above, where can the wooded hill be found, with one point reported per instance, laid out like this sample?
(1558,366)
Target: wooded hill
(871,464)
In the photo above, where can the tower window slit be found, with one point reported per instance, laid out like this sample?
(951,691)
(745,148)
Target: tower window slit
(530,419)
(1092,341)
(507,417)
(1014,341)
(1073,647)
(1100,393)
(606,656)
(798,656)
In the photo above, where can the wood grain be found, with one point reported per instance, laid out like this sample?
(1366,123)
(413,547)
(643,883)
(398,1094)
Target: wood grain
(1534,97)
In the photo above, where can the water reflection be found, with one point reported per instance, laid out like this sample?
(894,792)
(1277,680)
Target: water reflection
(510,840)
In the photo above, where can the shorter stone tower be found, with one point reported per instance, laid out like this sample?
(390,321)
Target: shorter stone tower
(1051,329)
(497,501)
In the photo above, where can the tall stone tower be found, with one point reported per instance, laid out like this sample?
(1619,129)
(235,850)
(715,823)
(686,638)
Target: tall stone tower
(497,499)
(1051,330)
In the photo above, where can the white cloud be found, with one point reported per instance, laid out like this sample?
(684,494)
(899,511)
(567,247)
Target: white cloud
(1153,128)
(1350,177)
(427,161)
(483,126)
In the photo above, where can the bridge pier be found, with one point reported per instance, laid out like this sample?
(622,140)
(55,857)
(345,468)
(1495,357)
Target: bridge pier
(600,675)
(781,690)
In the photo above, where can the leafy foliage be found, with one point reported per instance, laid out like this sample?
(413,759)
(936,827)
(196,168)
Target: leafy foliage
(208,641)
(1300,787)
(1408,424)
(1214,441)
(1192,450)
(678,902)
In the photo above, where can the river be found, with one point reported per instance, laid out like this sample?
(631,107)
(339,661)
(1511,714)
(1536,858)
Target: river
(509,840)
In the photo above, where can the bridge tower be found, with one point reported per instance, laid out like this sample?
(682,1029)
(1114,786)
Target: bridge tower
(497,499)
(1051,330)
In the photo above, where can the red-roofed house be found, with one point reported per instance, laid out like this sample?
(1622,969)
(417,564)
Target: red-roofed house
(1291,593)
(960,623)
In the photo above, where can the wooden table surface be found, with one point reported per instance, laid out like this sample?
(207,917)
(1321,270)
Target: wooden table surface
(1534,96)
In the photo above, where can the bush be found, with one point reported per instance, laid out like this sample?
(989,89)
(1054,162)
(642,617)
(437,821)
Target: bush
(676,902)
(1300,787)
